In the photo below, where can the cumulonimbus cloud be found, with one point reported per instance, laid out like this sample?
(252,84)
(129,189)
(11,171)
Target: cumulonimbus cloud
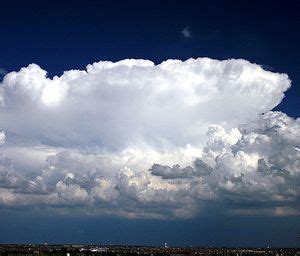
(143,140)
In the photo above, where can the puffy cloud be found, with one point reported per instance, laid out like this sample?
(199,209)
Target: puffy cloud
(263,165)
(9,178)
(113,106)
(141,140)
(104,190)
(71,192)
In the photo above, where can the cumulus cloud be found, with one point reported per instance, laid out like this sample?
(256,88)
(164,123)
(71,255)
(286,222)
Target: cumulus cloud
(133,102)
(263,165)
(141,140)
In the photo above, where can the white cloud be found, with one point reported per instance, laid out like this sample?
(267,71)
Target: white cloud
(112,106)
(2,138)
(71,192)
(143,140)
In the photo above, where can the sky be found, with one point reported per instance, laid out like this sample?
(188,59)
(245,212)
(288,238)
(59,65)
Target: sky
(129,122)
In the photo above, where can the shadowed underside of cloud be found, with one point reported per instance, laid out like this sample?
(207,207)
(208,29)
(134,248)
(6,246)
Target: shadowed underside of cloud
(135,139)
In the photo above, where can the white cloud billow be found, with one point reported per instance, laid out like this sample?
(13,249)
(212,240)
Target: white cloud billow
(143,140)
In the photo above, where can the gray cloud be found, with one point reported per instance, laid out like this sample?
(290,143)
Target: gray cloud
(175,172)
(186,32)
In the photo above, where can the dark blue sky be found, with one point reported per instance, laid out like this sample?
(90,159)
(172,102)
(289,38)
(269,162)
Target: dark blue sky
(63,35)
(212,230)
(59,35)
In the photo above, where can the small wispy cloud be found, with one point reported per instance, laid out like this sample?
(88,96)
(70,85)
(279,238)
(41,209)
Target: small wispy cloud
(186,32)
